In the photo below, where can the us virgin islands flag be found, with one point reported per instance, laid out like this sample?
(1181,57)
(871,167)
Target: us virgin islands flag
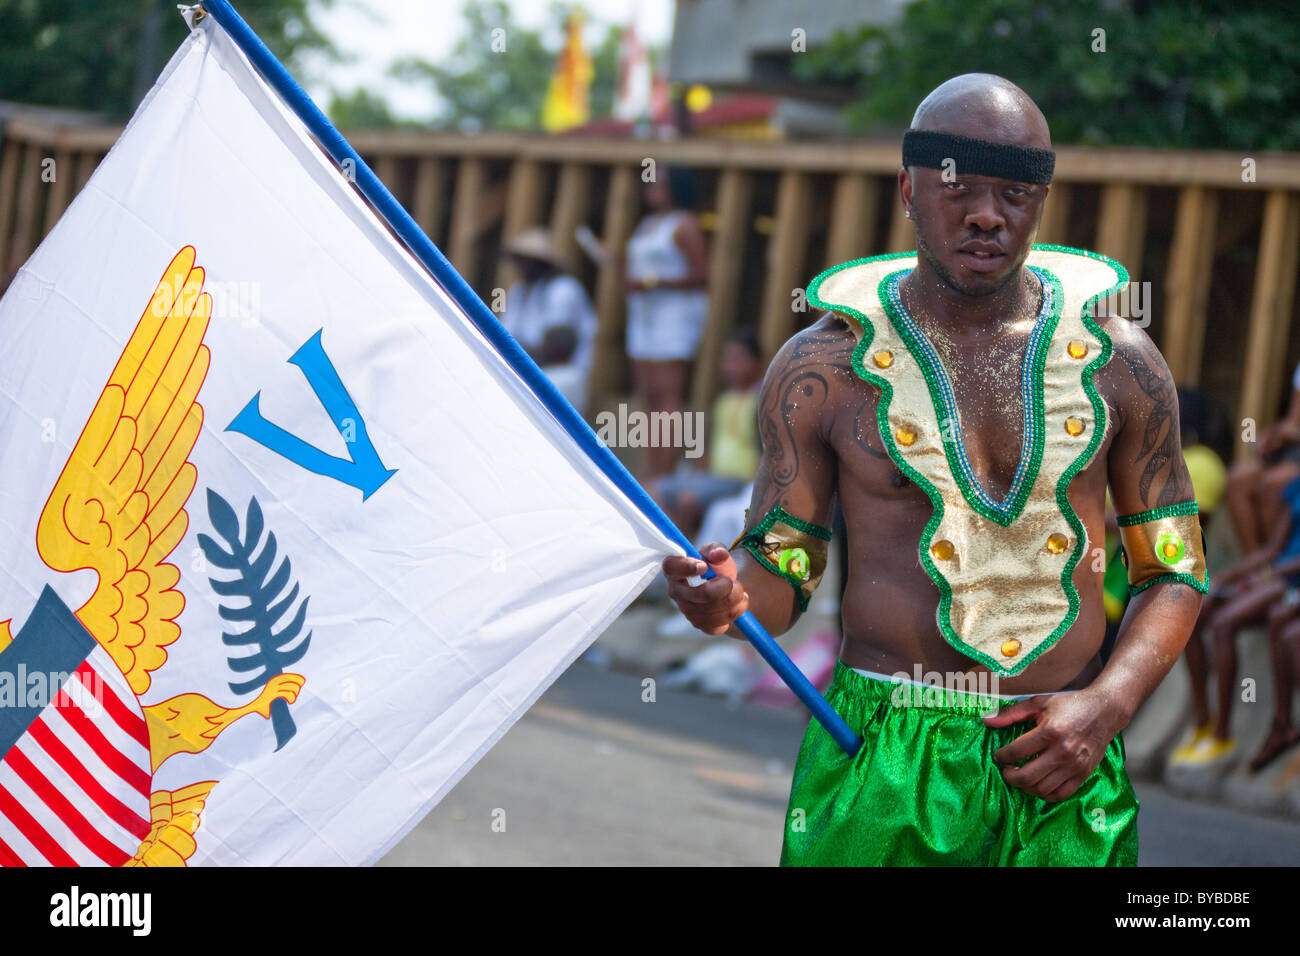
(287,545)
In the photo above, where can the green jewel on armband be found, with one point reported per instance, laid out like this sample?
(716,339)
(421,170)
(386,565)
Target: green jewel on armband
(794,562)
(1170,549)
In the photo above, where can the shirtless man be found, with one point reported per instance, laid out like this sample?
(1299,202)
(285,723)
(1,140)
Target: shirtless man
(906,401)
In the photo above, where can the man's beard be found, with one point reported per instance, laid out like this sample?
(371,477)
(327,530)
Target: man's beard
(950,280)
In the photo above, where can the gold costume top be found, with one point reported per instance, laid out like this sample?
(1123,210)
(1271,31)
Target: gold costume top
(1004,569)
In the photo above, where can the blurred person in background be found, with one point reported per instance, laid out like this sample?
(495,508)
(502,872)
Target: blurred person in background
(1255,484)
(731,461)
(1284,641)
(666,270)
(557,358)
(546,297)
(1259,587)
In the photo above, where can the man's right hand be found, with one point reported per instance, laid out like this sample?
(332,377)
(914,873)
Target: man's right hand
(713,605)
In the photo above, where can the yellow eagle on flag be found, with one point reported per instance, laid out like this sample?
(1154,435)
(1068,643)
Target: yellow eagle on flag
(118,509)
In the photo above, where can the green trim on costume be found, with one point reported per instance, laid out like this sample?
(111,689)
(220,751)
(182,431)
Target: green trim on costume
(1099,429)
(936,516)
(1155,514)
(780,514)
(942,396)
(1174,576)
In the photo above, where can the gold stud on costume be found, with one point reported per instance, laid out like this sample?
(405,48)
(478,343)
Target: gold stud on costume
(794,562)
(942,549)
(1074,426)
(1010,648)
(904,436)
(883,359)
(1056,542)
(1077,349)
(1170,548)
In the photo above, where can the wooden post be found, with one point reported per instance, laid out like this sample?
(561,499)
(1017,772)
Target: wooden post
(386,168)
(1187,283)
(30,192)
(611,301)
(785,262)
(1270,311)
(726,267)
(87,163)
(428,203)
(1121,225)
(1055,224)
(853,218)
(572,203)
(463,253)
(60,190)
(523,206)
(10,161)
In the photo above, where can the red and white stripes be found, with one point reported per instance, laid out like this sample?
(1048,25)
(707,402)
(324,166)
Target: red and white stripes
(74,789)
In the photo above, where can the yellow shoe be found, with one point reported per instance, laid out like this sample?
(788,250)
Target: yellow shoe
(1186,751)
(1212,750)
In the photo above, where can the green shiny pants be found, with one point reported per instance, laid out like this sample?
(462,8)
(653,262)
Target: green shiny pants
(924,790)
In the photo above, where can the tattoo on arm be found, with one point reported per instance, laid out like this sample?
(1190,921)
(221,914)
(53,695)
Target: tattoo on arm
(1161,481)
(801,385)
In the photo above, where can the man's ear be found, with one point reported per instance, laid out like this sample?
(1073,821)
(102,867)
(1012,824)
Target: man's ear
(905,188)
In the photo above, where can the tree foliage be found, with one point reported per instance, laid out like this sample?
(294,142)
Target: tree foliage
(362,109)
(92,55)
(1197,74)
(498,72)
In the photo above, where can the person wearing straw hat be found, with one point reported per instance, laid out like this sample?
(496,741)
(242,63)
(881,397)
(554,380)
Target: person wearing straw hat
(546,297)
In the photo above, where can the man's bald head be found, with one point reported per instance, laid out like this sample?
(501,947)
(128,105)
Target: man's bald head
(984,106)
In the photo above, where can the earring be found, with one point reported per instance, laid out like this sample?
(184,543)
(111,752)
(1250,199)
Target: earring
(908,213)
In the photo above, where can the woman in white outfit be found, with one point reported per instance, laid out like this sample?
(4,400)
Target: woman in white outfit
(667,306)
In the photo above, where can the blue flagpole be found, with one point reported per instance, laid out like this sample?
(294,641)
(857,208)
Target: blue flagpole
(458,289)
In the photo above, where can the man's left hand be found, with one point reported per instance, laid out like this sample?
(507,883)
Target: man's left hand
(1069,739)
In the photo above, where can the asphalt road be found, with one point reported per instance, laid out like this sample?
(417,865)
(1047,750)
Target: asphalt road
(595,775)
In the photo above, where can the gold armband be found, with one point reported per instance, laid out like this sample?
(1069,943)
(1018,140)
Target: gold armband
(788,546)
(1164,544)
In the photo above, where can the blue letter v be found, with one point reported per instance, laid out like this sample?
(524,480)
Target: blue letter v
(364,470)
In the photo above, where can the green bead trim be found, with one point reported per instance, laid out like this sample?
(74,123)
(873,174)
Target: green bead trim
(780,514)
(935,379)
(1155,514)
(936,517)
(1177,576)
(754,537)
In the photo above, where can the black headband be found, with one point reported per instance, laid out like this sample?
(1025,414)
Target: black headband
(979,157)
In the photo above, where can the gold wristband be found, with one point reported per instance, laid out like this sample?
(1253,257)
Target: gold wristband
(1164,544)
(790,547)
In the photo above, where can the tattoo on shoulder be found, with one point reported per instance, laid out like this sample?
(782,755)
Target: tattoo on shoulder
(800,384)
(1162,481)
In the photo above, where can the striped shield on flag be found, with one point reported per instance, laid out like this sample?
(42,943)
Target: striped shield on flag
(75,775)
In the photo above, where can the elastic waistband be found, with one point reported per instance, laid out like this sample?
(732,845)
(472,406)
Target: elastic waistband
(975,680)
(875,689)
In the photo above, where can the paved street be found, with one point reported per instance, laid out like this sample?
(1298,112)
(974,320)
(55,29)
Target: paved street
(594,775)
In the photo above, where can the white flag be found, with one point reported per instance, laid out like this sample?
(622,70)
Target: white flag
(288,545)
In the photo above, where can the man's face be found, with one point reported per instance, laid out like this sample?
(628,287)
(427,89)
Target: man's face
(974,231)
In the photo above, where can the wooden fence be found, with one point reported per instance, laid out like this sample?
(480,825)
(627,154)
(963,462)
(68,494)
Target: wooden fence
(1216,246)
